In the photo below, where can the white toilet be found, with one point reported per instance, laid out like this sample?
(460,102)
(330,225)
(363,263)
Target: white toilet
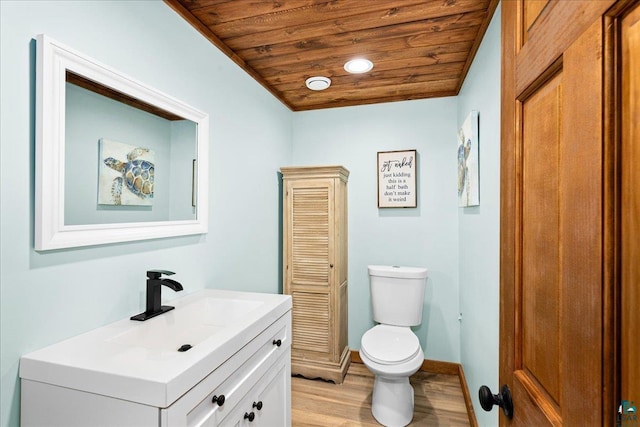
(390,349)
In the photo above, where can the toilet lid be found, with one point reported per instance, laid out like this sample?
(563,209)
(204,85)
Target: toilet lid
(387,344)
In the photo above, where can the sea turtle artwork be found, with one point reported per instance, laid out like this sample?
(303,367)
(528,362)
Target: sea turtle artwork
(133,180)
(468,172)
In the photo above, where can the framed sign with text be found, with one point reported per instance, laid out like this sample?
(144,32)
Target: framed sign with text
(397,179)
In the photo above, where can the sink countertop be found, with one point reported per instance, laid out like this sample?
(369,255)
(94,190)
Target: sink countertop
(98,362)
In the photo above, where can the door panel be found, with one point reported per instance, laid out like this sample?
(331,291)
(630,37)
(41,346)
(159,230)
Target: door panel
(540,238)
(532,10)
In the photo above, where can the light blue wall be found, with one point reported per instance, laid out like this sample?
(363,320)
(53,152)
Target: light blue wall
(479,228)
(426,236)
(46,297)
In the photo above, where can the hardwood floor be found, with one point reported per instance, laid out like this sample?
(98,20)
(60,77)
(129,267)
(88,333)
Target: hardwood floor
(317,403)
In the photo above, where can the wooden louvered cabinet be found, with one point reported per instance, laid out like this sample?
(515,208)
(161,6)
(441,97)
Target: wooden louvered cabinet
(315,269)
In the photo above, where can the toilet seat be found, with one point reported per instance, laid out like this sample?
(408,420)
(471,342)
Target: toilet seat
(390,345)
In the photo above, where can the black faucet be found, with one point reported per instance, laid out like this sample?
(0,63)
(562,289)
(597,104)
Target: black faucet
(154,288)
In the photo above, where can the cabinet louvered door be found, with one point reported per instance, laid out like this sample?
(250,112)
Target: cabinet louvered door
(310,263)
(315,269)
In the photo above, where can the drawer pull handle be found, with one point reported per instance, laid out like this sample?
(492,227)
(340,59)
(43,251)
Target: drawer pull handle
(258,405)
(249,416)
(277,343)
(218,399)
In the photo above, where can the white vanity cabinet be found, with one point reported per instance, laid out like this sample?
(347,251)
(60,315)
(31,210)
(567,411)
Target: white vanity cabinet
(240,376)
(260,372)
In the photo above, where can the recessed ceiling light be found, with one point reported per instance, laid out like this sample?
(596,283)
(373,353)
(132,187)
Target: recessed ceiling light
(318,83)
(358,65)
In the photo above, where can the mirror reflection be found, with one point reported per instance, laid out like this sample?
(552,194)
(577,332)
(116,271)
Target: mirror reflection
(116,160)
(125,160)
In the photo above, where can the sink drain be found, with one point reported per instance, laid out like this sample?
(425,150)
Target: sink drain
(185,347)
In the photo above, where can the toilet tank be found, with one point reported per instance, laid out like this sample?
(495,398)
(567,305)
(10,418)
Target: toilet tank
(397,294)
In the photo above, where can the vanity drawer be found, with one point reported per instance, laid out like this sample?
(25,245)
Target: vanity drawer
(268,404)
(233,380)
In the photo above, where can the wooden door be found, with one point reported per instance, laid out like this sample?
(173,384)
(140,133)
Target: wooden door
(557,192)
(630,219)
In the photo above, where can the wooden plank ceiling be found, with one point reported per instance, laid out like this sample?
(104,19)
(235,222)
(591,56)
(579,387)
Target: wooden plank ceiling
(420,48)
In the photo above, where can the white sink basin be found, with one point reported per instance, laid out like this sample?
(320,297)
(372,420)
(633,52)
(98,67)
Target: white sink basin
(140,361)
(187,325)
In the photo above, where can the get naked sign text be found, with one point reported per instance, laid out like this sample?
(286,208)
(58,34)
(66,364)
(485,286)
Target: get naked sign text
(397,179)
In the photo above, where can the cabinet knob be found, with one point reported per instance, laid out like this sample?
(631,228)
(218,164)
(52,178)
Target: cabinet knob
(330,265)
(277,343)
(218,399)
(249,416)
(258,405)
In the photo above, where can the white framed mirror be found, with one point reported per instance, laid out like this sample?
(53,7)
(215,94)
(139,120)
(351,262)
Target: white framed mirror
(116,160)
